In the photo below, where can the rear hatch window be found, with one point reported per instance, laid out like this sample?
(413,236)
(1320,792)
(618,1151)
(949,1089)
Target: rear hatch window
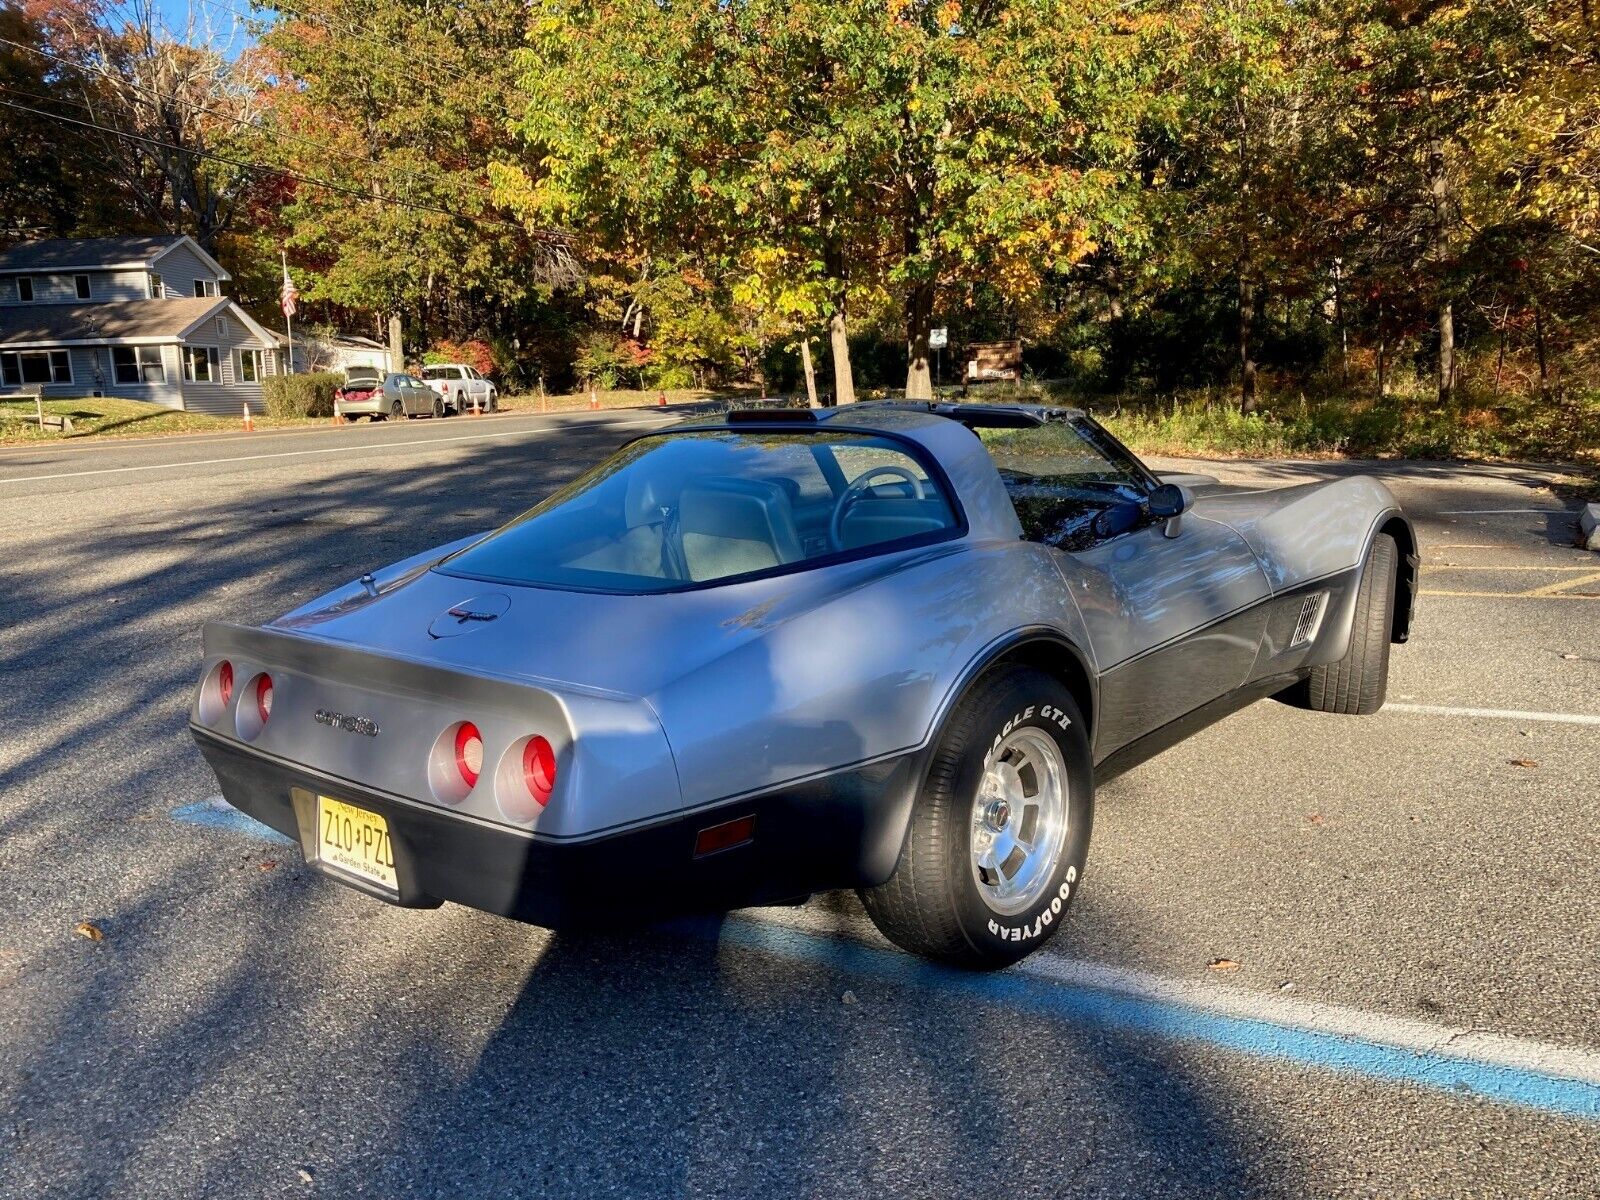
(687,509)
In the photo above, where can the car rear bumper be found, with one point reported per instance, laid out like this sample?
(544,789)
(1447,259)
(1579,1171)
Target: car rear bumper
(359,407)
(837,831)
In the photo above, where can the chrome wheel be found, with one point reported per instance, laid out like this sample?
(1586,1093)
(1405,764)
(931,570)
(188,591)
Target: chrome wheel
(1019,820)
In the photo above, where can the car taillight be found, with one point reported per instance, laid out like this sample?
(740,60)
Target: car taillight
(539,770)
(263,697)
(225,682)
(469,753)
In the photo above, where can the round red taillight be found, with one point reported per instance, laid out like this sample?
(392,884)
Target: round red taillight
(469,753)
(263,697)
(225,682)
(539,769)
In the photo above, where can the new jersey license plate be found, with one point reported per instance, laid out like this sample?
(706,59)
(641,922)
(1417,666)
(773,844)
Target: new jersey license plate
(355,841)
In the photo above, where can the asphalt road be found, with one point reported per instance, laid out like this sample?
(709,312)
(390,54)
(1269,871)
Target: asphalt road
(245,1027)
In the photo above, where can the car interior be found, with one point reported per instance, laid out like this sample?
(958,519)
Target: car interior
(700,508)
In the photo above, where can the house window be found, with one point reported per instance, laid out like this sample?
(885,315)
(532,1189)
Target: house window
(36,366)
(81,282)
(222,327)
(24,288)
(156,291)
(249,366)
(205,287)
(201,364)
(138,364)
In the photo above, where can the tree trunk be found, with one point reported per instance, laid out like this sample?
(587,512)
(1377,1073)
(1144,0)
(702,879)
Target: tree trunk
(1447,351)
(1538,348)
(1338,320)
(811,375)
(844,384)
(396,345)
(1247,362)
(1439,186)
(919,320)
(1383,347)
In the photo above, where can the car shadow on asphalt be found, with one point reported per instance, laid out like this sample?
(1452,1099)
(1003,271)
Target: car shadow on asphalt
(678,1061)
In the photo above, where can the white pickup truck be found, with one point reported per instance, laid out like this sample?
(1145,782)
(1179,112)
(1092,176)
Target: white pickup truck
(458,385)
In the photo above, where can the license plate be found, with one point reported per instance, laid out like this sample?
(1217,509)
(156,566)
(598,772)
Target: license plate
(355,841)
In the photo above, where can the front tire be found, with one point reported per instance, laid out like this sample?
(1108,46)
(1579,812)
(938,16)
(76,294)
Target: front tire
(1357,684)
(1000,831)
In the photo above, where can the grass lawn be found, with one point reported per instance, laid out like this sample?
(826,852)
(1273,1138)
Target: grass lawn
(104,417)
(1406,423)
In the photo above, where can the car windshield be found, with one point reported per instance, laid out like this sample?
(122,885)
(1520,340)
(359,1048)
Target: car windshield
(1063,476)
(676,510)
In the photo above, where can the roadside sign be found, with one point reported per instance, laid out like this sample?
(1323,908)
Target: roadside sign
(938,339)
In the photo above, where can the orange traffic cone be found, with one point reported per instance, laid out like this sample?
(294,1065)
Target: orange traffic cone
(249,425)
(594,401)
(475,405)
(661,400)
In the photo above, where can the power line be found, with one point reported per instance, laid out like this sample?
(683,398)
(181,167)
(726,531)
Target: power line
(268,169)
(193,106)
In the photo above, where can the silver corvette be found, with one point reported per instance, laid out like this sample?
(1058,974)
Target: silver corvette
(890,647)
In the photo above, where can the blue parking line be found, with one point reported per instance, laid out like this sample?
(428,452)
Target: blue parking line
(217,813)
(1459,1075)
(1521,1086)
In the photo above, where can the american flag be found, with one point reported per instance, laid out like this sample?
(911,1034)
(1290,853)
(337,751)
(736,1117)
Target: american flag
(288,294)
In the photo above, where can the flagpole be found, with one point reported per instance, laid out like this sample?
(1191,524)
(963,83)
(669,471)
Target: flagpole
(288,321)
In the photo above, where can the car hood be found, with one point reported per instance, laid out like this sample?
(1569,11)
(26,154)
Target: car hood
(630,645)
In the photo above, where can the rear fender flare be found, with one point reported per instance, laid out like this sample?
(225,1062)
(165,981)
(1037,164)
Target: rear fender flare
(1039,646)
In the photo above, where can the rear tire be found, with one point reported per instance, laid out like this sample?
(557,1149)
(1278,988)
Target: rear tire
(438,406)
(1357,683)
(1010,789)
(397,410)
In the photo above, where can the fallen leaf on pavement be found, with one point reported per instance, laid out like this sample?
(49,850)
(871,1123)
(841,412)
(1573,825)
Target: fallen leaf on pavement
(305,1175)
(87,929)
(1223,964)
(848,997)
(269,864)
(1571,657)
(1523,762)
(1316,818)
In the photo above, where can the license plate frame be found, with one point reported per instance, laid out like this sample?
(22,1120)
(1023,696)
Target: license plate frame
(353,843)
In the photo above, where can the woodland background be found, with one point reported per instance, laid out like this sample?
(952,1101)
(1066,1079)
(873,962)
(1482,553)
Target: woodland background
(1325,224)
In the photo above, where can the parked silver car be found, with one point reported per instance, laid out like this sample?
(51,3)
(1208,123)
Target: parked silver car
(889,647)
(396,394)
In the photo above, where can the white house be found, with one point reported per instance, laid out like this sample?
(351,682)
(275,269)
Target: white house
(143,318)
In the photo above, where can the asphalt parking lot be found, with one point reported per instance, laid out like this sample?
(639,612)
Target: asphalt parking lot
(1406,906)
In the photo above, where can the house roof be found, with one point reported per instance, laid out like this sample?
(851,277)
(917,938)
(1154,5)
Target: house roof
(100,254)
(115,321)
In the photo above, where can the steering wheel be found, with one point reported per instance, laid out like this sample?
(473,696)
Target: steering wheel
(858,487)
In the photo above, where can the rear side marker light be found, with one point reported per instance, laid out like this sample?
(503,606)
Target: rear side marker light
(716,838)
(469,753)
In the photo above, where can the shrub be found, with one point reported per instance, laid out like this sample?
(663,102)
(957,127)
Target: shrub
(476,354)
(300,395)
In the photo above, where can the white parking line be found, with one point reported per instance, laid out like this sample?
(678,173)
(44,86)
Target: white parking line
(354,448)
(1486,512)
(1499,714)
(1422,1037)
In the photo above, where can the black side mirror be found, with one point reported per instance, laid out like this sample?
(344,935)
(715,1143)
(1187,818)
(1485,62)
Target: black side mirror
(1169,502)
